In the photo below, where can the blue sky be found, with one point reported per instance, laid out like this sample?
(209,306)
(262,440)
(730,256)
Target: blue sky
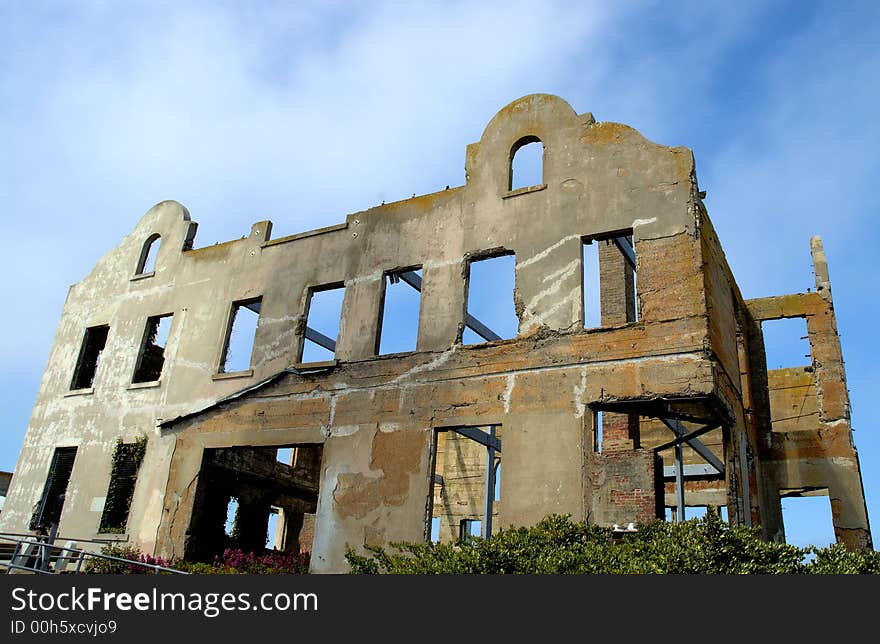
(304,112)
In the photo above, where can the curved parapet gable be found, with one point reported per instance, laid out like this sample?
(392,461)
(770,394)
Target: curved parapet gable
(544,117)
(168,221)
(609,172)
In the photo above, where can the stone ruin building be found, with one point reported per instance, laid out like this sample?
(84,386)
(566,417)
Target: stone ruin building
(144,431)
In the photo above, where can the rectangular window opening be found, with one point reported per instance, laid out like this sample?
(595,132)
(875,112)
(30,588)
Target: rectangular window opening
(592,307)
(231,511)
(272,536)
(323,315)
(94,341)
(460,484)
(597,431)
(609,280)
(786,343)
(238,345)
(127,459)
(807,518)
(402,300)
(152,355)
(48,512)
(491,314)
(469,528)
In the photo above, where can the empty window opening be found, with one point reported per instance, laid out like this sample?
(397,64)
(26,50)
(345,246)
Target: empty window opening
(231,512)
(399,330)
(469,528)
(147,260)
(491,314)
(238,346)
(248,499)
(609,281)
(272,528)
(323,313)
(435,529)
(597,431)
(48,512)
(152,355)
(526,163)
(94,341)
(285,455)
(807,518)
(592,305)
(786,343)
(127,459)
(462,490)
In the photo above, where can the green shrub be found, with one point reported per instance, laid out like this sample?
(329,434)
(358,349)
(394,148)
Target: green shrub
(557,545)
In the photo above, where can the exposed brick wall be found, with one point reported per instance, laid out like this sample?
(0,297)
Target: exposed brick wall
(616,285)
(307,533)
(620,432)
(625,487)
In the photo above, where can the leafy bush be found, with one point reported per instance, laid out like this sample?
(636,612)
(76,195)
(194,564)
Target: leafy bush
(232,562)
(559,546)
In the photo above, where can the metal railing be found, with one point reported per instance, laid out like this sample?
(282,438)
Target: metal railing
(45,558)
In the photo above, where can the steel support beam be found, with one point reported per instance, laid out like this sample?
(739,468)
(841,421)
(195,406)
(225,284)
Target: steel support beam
(683,436)
(320,339)
(412,278)
(679,484)
(480,329)
(486,530)
(483,438)
(691,471)
(626,248)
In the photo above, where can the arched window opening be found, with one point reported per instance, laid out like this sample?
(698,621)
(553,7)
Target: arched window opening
(527,163)
(147,262)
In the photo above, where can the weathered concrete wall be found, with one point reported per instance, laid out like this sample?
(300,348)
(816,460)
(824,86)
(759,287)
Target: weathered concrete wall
(810,446)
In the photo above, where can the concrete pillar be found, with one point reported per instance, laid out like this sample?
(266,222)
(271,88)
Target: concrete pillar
(361,318)
(442,309)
